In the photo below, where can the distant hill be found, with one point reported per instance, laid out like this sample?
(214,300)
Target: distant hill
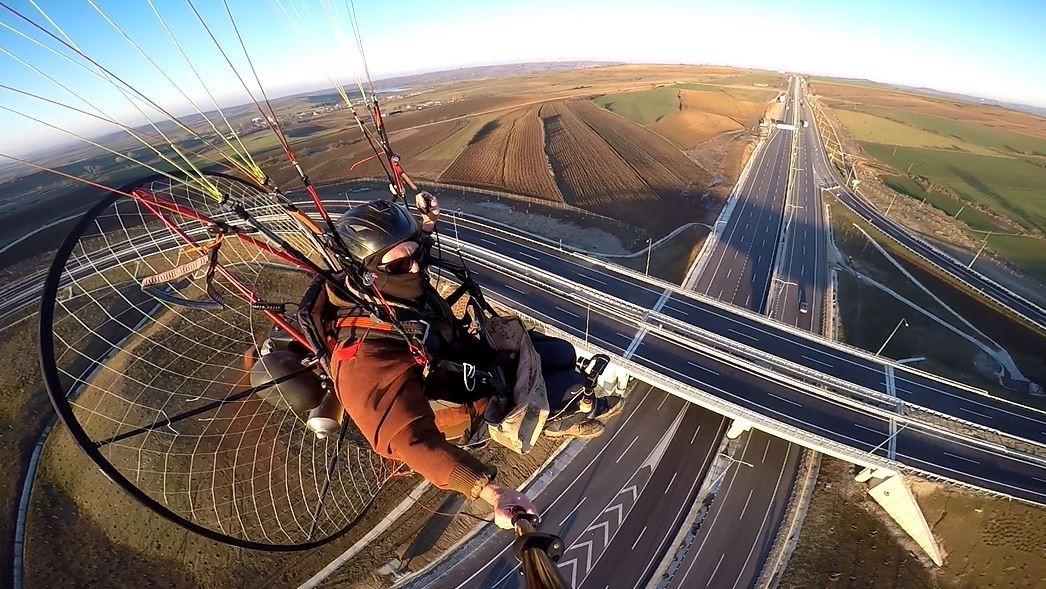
(485,71)
(1034,110)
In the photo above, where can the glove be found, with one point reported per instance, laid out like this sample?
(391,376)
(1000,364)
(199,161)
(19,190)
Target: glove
(429,207)
(505,500)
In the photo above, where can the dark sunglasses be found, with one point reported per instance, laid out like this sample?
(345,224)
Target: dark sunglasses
(404,264)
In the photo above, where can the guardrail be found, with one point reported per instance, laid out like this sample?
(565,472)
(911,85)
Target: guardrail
(735,348)
(694,394)
(796,435)
(746,313)
(726,350)
(873,212)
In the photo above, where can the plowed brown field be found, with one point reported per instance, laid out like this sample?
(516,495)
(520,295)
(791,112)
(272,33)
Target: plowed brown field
(507,154)
(988,115)
(589,172)
(665,169)
(576,152)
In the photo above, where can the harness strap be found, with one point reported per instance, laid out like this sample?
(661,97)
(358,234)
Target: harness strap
(416,328)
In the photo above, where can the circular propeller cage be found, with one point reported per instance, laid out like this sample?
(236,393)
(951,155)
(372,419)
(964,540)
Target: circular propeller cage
(147,338)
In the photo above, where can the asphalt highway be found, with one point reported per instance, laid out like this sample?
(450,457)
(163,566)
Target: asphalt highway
(1031,312)
(982,465)
(808,350)
(741,524)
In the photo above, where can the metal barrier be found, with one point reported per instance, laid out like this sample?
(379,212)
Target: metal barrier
(717,344)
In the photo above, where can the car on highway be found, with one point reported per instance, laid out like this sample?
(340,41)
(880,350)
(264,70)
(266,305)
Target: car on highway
(803,308)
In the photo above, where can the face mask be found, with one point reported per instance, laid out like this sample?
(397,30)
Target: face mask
(406,287)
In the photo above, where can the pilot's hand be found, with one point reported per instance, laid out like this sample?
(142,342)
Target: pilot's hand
(429,207)
(506,501)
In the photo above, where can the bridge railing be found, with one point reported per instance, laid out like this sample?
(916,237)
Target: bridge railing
(856,195)
(710,343)
(875,400)
(717,403)
(746,313)
(785,431)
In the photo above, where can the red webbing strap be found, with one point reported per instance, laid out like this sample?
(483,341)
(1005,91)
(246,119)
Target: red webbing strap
(343,353)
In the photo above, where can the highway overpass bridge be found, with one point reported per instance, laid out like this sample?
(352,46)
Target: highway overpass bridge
(923,430)
(819,393)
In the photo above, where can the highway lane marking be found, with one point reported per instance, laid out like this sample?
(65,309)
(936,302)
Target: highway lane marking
(623,336)
(526,255)
(866,428)
(629,446)
(513,288)
(988,482)
(766,450)
(967,399)
(567,312)
(816,360)
(751,337)
(745,508)
(735,218)
(546,248)
(484,240)
(636,543)
(975,413)
(780,336)
(784,399)
(592,278)
(554,321)
(662,402)
(702,367)
(766,514)
(573,511)
(694,437)
(715,570)
(680,311)
(959,457)
(554,501)
(670,482)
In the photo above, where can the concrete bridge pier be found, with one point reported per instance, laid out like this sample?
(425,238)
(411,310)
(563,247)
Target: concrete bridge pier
(891,491)
(738,427)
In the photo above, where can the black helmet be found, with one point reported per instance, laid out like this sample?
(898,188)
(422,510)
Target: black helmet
(371,229)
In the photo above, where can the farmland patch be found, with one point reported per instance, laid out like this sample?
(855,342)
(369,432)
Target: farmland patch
(1008,185)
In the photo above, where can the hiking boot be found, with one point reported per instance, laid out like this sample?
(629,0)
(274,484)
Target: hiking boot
(575,428)
(607,407)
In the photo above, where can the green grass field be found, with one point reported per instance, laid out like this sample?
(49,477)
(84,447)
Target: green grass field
(645,107)
(1013,187)
(973,218)
(749,94)
(771,80)
(1026,252)
(879,129)
(998,140)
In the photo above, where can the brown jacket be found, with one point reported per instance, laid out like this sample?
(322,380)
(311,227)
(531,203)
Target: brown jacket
(381,389)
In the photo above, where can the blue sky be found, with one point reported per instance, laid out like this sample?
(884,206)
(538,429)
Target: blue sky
(990,49)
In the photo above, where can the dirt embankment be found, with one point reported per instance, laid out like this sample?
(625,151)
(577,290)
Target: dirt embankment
(848,542)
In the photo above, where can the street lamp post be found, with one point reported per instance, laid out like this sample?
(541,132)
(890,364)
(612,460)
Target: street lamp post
(887,213)
(588,317)
(649,246)
(899,323)
(984,243)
